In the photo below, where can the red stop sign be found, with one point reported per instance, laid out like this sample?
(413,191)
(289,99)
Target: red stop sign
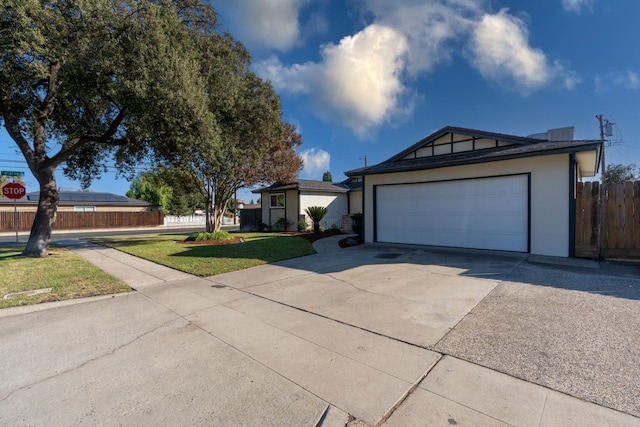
(14,190)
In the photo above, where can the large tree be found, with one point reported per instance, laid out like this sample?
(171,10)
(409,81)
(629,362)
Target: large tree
(82,81)
(619,173)
(253,146)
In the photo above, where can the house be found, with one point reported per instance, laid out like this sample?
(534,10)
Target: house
(289,201)
(81,201)
(474,189)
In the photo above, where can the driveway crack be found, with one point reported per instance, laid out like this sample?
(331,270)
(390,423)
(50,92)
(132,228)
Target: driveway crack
(85,363)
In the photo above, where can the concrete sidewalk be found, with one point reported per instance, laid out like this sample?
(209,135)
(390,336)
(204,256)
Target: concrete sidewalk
(201,351)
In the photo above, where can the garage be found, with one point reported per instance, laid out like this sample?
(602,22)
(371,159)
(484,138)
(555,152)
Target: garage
(482,213)
(467,188)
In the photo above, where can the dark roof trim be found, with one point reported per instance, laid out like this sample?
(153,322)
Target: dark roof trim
(305,185)
(464,131)
(543,148)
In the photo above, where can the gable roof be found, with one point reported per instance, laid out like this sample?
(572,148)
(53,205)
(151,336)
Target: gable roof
(306,184)
(516,147)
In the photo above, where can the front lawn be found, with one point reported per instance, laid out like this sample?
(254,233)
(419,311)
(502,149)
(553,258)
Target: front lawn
(208,260)
(67,274)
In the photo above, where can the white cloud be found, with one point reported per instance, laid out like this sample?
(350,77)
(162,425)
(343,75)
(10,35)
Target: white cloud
(628,80)
(270,24)
(576,5)
(500,51)
(316,162)
(431,27)
(361,82)
(358,81)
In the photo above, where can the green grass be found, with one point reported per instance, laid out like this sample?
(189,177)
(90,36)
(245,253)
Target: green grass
(208,260)
(69,276)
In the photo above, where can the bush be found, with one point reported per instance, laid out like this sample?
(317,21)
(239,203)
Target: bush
(302,225)
(282,224)
(264,227)
(334,229)
(357,226)
(201,235)
(316,213)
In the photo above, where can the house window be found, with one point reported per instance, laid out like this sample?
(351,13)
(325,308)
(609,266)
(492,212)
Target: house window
(277,200)
(84,208)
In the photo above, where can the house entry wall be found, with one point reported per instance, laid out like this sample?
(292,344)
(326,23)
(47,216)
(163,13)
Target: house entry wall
(481,213)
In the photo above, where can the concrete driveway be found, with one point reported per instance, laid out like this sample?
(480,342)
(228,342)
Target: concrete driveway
(389,335)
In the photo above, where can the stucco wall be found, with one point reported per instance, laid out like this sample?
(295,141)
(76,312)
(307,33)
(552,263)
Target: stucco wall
(550,190)
(290,211)
(355,202)
(336,204)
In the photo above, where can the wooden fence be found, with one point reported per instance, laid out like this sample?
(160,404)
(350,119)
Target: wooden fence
(85,220)
(611,228)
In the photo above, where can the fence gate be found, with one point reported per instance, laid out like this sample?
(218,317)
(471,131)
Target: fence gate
(609,228)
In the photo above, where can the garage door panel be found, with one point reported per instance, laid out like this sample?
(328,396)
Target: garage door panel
(486,213)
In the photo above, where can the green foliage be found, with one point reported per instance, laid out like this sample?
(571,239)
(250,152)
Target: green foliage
(334,229)
(316,213)
(149,187)
(200,236)
(264,227)
(282,224)
(302,225)
(82,82)
(357,226)
(618,173)
(327,177)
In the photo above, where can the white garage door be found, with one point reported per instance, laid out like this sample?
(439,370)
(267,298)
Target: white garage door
(484,213)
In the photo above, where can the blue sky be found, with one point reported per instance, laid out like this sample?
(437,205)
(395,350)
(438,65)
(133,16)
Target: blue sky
(371,77)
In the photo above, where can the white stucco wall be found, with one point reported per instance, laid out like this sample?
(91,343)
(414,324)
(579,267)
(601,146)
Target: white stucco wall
(336,203)
(355,202)
(550,190)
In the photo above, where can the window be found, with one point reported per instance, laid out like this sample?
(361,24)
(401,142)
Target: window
(277,200)
(84,208)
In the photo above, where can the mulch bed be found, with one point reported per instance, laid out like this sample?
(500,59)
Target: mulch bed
(309,236)
(233,241)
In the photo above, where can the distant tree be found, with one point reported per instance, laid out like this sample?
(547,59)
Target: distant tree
(251,202)
(149,187)
(327,177)
(82,81)
(619,173)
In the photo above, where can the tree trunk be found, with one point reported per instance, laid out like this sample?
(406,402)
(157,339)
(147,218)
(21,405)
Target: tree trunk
(40,236)
(218,214)
(316,227)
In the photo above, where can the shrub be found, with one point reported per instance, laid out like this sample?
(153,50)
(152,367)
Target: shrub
(302,225)
(202,235)
(316,213)
(357,226)
(264,227)
(282,224)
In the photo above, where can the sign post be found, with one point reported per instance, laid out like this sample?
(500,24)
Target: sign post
(15,191)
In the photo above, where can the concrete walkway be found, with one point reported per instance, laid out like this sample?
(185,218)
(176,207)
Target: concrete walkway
(243,349)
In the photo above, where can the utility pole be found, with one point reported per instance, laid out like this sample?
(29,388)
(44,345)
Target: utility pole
(599,117)
(365,160)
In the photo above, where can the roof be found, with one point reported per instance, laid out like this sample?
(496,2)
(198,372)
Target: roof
(522,147)
(306,184)
(82,198)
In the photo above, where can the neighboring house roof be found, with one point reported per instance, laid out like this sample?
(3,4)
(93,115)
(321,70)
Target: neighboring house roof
(306,185)
(82,198)
(519,147)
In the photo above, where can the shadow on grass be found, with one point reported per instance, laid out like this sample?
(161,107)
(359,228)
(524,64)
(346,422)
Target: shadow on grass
(271,249)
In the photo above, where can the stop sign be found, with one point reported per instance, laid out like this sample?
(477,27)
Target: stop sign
(14,190)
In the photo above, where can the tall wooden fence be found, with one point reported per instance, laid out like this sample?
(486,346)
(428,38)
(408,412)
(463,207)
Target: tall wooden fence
(609,228)
(85,220)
